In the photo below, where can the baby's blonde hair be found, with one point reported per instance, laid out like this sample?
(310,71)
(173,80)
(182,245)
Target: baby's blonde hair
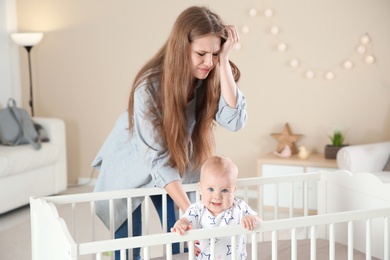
(221,164)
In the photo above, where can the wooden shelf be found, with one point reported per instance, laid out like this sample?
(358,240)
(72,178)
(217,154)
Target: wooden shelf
(314,160)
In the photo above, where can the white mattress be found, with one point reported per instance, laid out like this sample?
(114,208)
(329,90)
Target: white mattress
(17,159)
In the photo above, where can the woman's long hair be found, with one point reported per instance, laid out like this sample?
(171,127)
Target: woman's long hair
(170,67)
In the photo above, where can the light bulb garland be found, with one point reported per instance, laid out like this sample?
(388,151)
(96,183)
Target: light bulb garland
(363,49)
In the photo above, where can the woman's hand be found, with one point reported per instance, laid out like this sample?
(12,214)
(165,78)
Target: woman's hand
(231,41)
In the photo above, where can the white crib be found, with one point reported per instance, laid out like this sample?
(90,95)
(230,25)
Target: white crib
(352,222)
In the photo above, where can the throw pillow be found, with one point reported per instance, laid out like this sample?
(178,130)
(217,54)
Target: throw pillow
(43,136)
(387,166)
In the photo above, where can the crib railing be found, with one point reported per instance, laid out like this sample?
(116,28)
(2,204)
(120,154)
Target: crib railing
(66,248)
(311,222)
(55,238)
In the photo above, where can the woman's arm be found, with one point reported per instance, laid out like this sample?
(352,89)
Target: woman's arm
(228,85)
(177,193)
(232,104)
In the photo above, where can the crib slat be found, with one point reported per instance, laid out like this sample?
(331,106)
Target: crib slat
(129,218)
(164,217)
(123,254)
(274,245)
(350,240)
(313,243)
(291,208)
(197,195)
(93,220)
(294,244)
(164,213)
(261,206)
(168,250)
(368,239)
(386,238)
(254,246)
(74,221)
(212,248)
(246,194)
(147,214)
(112,217)
(234,247)
(191,250)
(331,242)
(276,196)
(130,224)
(305,199)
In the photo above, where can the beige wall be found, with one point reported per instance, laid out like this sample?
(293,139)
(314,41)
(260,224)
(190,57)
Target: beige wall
(92,49)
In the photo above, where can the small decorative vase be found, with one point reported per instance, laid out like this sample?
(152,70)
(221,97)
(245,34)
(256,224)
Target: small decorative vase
(331,151)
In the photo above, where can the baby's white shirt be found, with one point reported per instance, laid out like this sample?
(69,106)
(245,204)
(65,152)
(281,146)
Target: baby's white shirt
(200,217)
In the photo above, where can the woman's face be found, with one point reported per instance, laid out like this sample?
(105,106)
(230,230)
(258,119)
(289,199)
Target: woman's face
(204,55)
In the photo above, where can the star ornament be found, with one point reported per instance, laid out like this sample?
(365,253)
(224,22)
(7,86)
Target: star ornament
(286,138)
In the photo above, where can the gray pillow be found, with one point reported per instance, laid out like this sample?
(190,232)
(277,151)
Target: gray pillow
(387,166)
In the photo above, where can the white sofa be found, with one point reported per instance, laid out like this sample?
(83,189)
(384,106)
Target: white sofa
(26,172)
(370,158)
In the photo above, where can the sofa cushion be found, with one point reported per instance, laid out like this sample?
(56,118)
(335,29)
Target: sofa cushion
(22,158)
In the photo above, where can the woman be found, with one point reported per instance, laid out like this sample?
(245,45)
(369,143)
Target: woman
(167,131)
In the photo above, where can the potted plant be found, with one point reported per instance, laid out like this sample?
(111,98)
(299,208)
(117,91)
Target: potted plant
(337,138)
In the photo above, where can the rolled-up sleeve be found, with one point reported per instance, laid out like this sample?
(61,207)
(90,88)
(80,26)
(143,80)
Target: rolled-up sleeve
(149,143)
(232,118)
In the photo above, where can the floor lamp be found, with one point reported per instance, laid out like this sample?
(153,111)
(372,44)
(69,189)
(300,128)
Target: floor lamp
(28,40)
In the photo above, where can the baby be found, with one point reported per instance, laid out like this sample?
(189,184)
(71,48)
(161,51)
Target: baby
(218,207)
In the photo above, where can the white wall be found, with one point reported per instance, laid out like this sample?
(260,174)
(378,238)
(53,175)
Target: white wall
(92,49)
(9,55)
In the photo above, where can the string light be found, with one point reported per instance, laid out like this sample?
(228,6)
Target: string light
(282,47)
(245,29)
(369,59)
(309,74)
(329,75)
(348,64)
(362,48)
(274,30)
(253,12)
(268,12)
(365,39)
(294,63)
(238,46)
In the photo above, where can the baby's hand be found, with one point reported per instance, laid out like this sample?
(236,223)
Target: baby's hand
(181,226)
(249,222)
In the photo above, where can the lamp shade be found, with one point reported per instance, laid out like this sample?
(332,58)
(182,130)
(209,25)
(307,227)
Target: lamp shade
(27,39)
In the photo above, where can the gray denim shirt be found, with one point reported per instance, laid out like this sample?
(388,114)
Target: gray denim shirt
(137,161)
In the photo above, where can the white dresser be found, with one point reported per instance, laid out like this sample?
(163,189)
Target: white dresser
(271,165)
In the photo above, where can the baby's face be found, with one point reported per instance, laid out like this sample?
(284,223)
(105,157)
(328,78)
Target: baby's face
(217,191)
